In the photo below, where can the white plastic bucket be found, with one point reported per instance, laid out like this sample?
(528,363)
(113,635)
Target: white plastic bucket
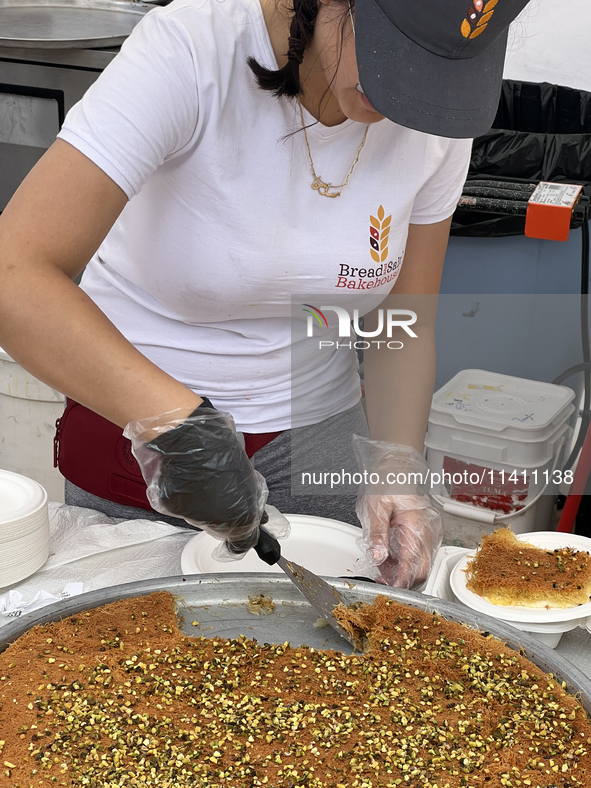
(516,449)
(28,411)
(507,436)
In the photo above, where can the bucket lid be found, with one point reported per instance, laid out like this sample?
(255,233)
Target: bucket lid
(496,401)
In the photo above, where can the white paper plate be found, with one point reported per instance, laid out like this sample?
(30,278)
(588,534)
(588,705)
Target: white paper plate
(545,539)
(11,575)
(20,497)
(325,547)
(26,549)
(28,527)
(24,527)
(32,558)
(438,581)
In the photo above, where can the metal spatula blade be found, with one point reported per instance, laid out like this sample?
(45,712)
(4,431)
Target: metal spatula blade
(321,595)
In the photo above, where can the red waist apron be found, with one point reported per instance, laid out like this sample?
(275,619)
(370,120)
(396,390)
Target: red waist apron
(92,453)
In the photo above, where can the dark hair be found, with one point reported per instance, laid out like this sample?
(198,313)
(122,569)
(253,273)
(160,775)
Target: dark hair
(285,81)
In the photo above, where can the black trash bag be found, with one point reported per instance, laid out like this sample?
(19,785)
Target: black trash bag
(541,132)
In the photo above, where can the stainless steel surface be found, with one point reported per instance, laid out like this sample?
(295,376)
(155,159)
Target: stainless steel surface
(28,121)
(95,59)
(63,24)
(36,99)
(219,604)
(323,596)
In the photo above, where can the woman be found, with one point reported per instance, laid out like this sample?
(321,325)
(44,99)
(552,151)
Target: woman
(196,176)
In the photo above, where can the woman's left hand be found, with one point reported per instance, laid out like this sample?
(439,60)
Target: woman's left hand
(402,534)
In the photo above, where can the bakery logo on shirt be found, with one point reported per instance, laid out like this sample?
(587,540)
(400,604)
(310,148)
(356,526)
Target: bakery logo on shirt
(379,230)
(381,271)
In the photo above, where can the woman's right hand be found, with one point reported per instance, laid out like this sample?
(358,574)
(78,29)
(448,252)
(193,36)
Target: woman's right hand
(195,468)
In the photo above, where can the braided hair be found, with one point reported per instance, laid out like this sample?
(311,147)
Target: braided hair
(285,81)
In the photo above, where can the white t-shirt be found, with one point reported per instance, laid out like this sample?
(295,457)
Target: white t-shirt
(222,226)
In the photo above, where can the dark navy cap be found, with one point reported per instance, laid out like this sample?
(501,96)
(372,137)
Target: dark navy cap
(434,65)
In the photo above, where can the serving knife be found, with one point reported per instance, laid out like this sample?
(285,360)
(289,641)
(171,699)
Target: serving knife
(323,597)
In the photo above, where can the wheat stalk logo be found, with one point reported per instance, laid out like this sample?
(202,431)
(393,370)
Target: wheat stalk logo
(478,16)
(379,230)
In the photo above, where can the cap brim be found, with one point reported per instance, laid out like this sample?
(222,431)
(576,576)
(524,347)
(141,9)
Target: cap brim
(420,90)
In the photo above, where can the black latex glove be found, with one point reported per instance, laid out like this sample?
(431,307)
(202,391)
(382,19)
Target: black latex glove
(205,477)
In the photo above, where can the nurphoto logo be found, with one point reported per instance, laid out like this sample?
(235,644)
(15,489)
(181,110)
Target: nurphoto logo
(388,318)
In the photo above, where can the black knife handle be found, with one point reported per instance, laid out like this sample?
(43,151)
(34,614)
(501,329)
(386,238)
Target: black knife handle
(267,548)
(241,548)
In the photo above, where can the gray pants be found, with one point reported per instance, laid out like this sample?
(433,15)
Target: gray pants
(318,447)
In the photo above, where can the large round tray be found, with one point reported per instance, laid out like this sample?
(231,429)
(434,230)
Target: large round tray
(218,602)
(66,24)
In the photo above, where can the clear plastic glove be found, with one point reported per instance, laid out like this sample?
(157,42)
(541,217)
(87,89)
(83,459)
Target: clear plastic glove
(195,468)
(274,523)
(402,532)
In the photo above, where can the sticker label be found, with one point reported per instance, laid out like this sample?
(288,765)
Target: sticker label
(501,491)
(563,195)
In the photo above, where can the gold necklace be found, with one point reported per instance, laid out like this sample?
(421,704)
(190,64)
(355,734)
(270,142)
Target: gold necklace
(318,184)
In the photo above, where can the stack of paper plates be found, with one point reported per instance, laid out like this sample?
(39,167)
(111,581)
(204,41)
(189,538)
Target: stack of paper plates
(24,527)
